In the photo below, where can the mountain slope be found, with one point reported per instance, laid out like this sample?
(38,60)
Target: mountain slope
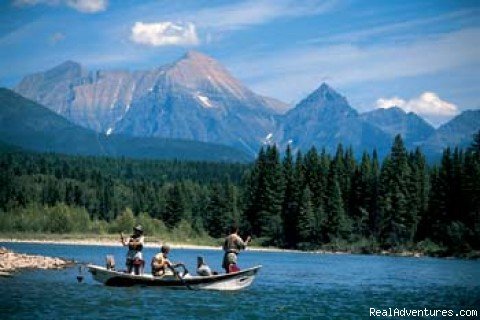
(194,98)
(325,119)
(31,126)
(457,132)
(393,121)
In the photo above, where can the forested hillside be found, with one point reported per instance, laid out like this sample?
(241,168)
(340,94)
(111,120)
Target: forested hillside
(304,201)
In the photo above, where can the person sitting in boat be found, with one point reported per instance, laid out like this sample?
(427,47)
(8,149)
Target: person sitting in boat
(135,244)
(202,268)
(161,265)
(232,246)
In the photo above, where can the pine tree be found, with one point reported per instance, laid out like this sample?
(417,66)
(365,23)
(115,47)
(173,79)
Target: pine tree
(306,219)
(290,206)
(314,177)
(254,194)
(395,219)
(471,198)
(475,147)
(175,206)
(270,213)
(337,223)
(360,196)
(218,217)
(373,207)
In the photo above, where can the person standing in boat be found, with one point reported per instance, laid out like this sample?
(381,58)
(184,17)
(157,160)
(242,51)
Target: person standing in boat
(135,244)
(232,246)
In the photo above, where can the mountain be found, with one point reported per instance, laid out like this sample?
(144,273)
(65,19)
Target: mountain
(325,119)
(193,98)
(29,125)
(457,132)
(393,121)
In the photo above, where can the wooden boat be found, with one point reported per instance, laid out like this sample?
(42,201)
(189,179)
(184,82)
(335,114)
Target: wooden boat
(225,282)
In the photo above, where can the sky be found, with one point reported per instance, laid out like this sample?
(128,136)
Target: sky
(423,56)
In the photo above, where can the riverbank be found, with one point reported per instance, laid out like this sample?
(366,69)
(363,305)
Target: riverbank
(213,244)
(108,241)
(11,261)
(111,241)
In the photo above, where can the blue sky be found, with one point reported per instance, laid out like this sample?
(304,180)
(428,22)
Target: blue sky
(421,55)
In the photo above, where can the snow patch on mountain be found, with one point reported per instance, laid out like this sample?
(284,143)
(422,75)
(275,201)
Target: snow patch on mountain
(204,100)
(268,139)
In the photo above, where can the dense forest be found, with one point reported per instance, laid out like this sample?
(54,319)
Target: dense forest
(303,201)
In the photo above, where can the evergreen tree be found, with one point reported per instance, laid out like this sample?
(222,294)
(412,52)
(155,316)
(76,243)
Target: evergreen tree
(396,221)
(254,194)
(374,206)
(337,224)
(314,177)
(218,217)
(290,209)
(306,219)
(475,147)
(270,213)
(360,197)
(175,206)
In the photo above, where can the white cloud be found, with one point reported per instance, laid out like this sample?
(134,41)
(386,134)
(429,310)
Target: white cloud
(85,6)
(428,105)
(164,33)
(389,103)
(88,6)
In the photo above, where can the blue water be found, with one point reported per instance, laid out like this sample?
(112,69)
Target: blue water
(290,286)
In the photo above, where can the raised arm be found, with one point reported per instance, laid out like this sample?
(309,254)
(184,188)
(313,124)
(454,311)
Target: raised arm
(123,240)
(240,243)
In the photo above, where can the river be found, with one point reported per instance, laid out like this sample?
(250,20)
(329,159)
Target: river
(289,286)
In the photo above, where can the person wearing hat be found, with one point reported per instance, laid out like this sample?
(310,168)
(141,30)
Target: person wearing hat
(135,244)
(202,268)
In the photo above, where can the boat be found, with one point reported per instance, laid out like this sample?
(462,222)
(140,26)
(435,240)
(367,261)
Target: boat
(223,282)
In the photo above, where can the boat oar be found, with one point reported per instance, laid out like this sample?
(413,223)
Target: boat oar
(177,274)
(80,274)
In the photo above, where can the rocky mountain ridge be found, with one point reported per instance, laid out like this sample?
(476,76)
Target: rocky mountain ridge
(196,98)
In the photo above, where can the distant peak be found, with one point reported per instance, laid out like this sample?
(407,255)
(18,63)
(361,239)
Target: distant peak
(325,87)
(324,97)
(196,55)
(67,67)
(326,93)
(395,109)
(69,64)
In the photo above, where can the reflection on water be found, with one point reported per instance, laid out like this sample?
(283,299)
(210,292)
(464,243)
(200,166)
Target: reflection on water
(290,286)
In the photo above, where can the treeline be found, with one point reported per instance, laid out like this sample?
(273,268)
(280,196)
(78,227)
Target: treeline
(63,219)
(305,201)
(168,190)
(317,199)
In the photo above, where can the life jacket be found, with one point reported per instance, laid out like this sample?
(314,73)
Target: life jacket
(158,264)
(158,259)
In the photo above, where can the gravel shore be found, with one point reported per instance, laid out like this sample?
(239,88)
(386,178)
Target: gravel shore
(11,261)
